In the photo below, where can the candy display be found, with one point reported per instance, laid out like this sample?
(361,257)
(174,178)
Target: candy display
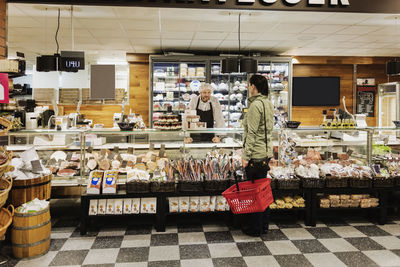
(168,122)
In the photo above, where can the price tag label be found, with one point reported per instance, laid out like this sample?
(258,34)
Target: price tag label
(36,166)
(90,149)
(139,160)
(111,156)
(69,156)
(103,152)
(116,149)
(153,158)
(52,162)
(349,152)
(151,146)
(131,150)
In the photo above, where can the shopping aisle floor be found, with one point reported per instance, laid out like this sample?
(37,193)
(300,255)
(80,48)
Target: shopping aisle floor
(334,242)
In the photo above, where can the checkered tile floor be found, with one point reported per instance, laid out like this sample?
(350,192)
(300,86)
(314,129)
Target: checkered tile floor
(331,243)
(334,242)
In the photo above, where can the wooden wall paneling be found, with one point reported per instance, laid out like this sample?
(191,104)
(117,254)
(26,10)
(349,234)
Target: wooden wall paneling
(312,116)
(100,114)
(3,30)
(139,92)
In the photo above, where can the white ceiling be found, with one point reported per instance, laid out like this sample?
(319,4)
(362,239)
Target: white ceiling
(107,33)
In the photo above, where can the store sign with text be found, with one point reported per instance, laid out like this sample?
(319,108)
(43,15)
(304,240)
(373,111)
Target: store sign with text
(358,6)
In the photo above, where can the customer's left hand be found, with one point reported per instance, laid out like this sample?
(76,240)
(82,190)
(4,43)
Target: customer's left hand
(216,139)
(245,163)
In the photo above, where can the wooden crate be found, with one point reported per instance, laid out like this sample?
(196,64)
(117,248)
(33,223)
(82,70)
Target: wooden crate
(44,95)
(68,95)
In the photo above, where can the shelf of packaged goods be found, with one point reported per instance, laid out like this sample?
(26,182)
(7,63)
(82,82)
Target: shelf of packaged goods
(174,110)
(351,209)
(165,77)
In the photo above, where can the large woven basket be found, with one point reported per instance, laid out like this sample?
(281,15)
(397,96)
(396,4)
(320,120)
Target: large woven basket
(6,216)
(6,124)
(5,166)
(5,187)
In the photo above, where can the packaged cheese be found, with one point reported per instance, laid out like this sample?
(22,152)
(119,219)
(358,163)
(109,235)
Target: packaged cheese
(102,204)
(135,206)
(213,200)
(118,206)
(144,205)
(110,182)
(94,184)
(183,204)
(194,204)
(127,206)
(110,206)
(152,204)
(204,204)
(173,204)
(93,207)
(221,203)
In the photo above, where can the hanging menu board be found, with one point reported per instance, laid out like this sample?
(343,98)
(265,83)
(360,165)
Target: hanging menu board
(366,100)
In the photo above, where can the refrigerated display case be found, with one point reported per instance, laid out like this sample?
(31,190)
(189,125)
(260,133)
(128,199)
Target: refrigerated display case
(389,107)
(171,85)
(279,74)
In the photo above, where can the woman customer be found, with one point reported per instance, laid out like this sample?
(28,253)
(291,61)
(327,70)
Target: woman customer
(257,145)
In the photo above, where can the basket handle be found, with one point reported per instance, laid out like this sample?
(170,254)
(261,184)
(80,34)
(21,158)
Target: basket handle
(11,209)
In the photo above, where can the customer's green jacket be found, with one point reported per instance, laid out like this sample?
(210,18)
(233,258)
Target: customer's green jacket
(254,132)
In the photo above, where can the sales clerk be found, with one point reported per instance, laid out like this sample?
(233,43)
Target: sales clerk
(210,112)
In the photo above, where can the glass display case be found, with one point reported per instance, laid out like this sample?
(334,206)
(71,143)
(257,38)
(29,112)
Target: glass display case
(278,71)
(315,144)
(175,73)
(231,90)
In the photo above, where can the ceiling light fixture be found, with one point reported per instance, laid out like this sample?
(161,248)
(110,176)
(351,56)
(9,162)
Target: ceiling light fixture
(231,64)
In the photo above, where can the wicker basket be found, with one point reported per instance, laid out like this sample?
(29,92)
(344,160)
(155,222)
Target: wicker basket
(6,126)
(384,182)
(360,183)
(215,185)
(312,182)
(5,187)
(6,216)
(292,183)
(162,186)
(190,186)
(138,186)
(336,182)
(5,167)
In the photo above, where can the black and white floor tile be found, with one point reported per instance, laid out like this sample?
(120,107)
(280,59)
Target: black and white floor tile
(345,244)
(333,242)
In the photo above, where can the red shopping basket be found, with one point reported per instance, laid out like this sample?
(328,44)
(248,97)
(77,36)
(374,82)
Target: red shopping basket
(249,197)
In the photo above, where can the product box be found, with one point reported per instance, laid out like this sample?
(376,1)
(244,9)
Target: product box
(110,182)
(194,204)
(221,203)
(93,207)
(94,185)
(135,206)
(152,204)
(144,205)
(127,206)
(118,206)
(173,204)
(204,204)
(213,200)
(183,204)
(110,206)
(102,206)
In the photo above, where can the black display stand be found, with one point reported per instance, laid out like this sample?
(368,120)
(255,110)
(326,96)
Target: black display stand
(309,194)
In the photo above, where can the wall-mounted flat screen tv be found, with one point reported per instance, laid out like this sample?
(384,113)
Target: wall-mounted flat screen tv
(316,91)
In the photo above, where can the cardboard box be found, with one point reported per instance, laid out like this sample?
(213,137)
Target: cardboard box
(110,206)
(127,206)
(102,206)
(118,206)
(136,206)
(93,207)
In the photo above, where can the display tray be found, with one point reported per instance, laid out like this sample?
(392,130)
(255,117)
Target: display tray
(190,186)
(383,182)
(138,187)
(293,183)
(312,182)
(162,186)
(335,182)
(358,208)
(360,183)
(216,185)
